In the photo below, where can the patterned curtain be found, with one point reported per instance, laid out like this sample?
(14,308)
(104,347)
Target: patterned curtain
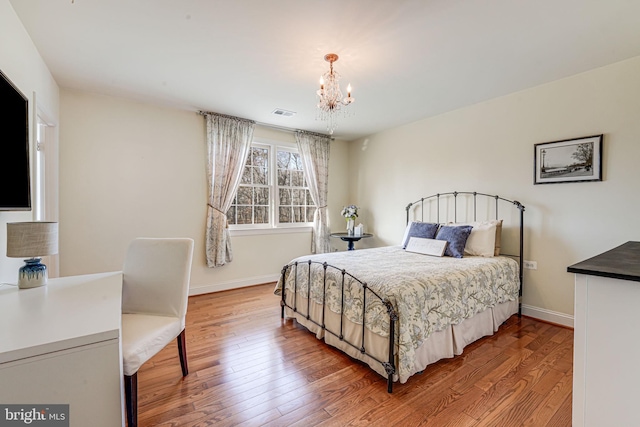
(314,152)
(229,141)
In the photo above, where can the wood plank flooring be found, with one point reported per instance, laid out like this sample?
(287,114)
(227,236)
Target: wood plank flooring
(250,368)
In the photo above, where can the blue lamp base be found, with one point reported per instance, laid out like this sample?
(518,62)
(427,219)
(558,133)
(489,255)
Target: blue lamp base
(33,274)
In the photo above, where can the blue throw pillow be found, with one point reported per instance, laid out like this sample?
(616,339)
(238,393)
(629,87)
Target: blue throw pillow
(426,230)
(456,236)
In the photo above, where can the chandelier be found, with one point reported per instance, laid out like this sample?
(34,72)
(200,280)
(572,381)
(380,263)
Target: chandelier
(330,101)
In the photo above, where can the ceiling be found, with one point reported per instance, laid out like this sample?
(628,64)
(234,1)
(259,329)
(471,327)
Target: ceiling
(406,60)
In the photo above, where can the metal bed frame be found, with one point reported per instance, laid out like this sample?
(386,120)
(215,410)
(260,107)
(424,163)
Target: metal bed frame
(389,365)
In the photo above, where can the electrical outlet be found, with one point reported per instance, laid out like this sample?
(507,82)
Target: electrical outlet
(531,265)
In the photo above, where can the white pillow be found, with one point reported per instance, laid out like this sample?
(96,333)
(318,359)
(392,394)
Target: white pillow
(498,235)
(482,240)
(406,234)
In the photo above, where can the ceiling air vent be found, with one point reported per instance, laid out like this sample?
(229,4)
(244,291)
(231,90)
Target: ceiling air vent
(283,113)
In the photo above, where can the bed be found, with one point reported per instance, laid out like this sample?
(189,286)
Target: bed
(399,311)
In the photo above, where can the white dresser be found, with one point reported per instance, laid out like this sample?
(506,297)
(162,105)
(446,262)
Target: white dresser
(606,368)
(60,344)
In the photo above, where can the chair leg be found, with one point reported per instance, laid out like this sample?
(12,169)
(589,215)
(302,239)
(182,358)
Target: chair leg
(182,350)
(131,399)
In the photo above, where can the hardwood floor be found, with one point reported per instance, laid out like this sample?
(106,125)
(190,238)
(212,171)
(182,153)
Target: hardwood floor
(250,368)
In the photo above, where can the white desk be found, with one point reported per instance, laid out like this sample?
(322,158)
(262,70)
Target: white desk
(61,344)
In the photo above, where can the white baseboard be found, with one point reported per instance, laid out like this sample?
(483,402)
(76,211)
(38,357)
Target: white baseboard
(234,284)
(548,315)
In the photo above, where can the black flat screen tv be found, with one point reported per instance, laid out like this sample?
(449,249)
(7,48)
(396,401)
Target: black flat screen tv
(15,183)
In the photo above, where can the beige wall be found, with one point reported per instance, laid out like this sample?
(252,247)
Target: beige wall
(489,148)
(129,170)
(22,64)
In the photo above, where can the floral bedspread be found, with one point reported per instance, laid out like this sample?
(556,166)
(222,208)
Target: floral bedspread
(428,293)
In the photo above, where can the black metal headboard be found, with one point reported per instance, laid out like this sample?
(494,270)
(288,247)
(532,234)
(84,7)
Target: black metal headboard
(444,207)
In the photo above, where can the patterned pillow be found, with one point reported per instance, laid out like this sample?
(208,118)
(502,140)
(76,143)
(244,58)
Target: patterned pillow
(456,236)
(425,230)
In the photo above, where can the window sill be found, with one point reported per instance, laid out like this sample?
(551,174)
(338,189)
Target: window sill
(267,231)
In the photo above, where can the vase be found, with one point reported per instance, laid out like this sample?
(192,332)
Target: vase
(350,226)
(33,274)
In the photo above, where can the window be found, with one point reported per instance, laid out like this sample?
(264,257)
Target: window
(273,192)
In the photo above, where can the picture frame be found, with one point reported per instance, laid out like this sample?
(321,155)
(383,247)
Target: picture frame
(568,160)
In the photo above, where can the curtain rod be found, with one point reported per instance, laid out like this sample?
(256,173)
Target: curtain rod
(282,128)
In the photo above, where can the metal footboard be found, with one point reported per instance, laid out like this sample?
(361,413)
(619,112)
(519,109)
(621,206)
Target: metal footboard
(389,364)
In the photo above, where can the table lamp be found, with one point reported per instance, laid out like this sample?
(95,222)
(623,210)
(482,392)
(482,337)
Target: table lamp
(32,240)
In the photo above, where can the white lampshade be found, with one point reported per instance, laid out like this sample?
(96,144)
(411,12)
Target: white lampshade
(32,239)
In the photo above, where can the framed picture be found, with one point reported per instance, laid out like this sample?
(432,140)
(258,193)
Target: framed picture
(569,160)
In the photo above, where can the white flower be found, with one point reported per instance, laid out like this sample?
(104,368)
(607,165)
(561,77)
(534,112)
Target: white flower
(350,212)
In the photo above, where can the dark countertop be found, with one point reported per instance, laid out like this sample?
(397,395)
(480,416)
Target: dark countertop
(622,262)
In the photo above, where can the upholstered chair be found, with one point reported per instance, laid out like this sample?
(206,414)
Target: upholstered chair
(155,291)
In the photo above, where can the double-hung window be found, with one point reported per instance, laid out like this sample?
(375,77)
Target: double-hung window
(273,191)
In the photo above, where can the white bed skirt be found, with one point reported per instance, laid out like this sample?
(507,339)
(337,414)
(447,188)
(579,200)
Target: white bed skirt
(440,345)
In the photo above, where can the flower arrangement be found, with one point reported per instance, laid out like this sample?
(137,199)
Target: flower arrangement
(349,212)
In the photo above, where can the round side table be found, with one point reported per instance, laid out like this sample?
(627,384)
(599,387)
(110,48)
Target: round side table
(349,238)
